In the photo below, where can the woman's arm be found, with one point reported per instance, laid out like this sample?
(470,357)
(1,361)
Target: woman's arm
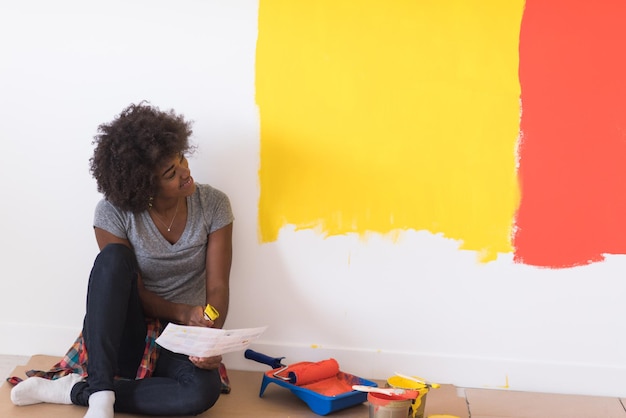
(153,305)
(218,262)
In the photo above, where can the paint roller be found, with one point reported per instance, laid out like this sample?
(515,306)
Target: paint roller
(299,374)
(304,373)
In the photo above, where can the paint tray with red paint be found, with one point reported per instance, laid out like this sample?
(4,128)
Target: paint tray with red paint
(321,385)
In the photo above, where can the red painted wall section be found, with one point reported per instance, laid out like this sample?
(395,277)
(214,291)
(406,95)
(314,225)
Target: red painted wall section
(572,151)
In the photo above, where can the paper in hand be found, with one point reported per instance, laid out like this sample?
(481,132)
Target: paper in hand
(206,342)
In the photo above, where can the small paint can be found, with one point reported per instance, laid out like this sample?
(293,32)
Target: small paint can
(418,404)
(388,406)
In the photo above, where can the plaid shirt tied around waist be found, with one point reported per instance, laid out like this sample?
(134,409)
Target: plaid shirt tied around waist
(76,358)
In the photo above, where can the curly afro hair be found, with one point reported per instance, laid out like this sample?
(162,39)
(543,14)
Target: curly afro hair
(131,148)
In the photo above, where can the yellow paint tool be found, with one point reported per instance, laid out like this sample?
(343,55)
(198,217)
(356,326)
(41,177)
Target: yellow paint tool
(419,380)
(211,313)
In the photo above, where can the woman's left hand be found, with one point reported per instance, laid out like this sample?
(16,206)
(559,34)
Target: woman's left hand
(208,363)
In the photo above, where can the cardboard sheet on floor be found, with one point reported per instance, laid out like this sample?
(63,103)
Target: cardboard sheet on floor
(446,400)
(490,403)
(242,401)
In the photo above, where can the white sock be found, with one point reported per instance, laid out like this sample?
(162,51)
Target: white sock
(37,390)
(101,404)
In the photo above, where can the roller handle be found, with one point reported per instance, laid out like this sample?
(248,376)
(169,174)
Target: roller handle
(273,362)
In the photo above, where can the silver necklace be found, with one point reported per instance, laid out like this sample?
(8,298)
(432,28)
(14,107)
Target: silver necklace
(169,228)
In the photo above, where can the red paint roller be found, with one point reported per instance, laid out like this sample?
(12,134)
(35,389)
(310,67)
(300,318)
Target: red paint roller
(299,374)
(307,372)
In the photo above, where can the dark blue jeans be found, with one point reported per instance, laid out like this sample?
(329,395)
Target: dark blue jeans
(114,331)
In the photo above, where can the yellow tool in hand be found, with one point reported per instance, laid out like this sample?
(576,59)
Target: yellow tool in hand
(211,313)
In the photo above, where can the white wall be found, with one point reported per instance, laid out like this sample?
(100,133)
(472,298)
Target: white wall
(416,306)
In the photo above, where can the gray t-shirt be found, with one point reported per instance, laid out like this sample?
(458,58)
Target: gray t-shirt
(176,272)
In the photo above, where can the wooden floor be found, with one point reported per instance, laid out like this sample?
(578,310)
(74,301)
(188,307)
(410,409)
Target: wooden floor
(244,401)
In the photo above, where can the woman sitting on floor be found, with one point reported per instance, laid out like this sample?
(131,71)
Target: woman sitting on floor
(165,253)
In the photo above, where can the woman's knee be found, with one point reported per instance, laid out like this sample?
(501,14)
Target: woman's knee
(198,389)
(114,267)
(116,258)
(116,253)
(202,394)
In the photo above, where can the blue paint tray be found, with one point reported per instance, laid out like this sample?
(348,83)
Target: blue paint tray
(321,404)
(318,402)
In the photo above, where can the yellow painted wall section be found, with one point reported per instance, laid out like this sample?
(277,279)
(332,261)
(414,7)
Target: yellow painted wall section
(385,116)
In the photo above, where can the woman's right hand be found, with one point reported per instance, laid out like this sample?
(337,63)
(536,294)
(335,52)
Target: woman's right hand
(195,317)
